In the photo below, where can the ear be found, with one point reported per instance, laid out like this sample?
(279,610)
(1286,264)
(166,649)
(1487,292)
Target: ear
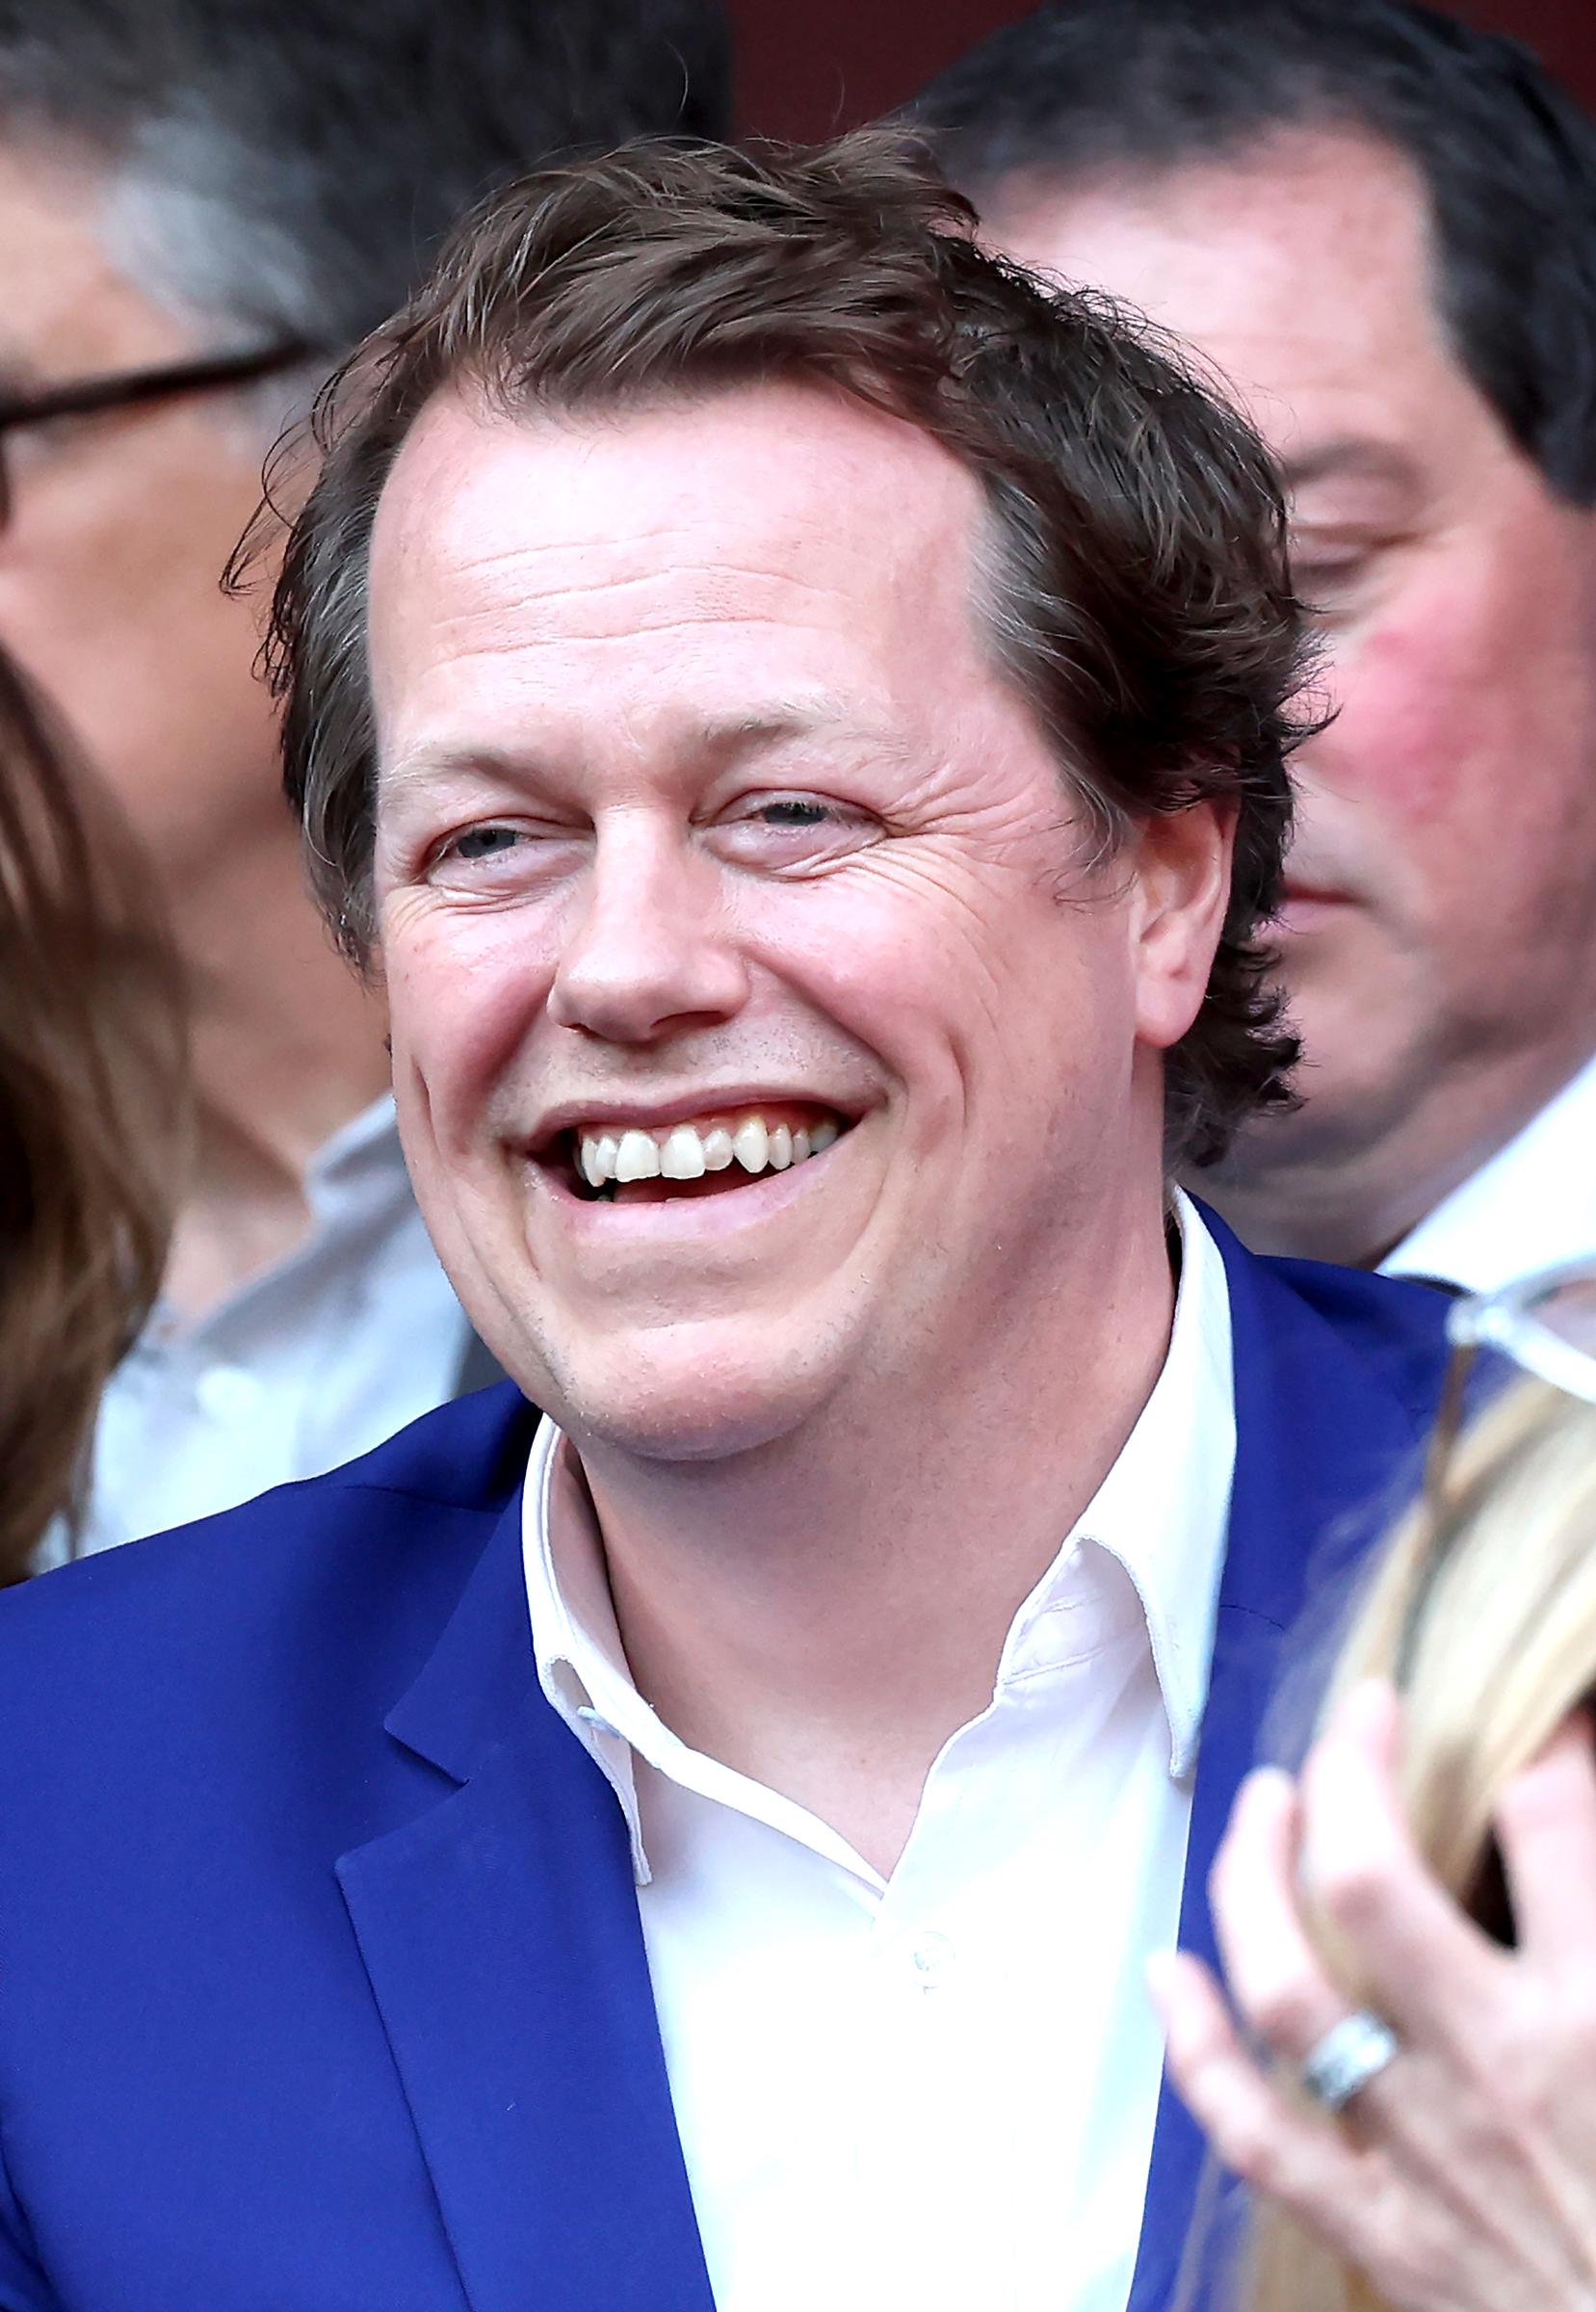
(1181,867)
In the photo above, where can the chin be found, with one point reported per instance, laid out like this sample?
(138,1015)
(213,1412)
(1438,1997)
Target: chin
(680,1395)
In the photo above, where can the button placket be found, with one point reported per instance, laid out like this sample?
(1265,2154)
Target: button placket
(932,1955)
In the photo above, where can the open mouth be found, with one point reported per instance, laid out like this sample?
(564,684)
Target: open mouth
(714,1154)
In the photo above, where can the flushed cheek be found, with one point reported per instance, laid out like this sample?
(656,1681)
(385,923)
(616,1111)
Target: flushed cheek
(1406,721)
(1470,677)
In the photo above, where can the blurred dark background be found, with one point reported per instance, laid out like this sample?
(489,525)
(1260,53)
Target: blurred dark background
(808,66)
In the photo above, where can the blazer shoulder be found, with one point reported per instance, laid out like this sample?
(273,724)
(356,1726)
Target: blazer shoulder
(1391,1317)
(1393,1327)
(468,1454)
(356,1561)
(1393,1321)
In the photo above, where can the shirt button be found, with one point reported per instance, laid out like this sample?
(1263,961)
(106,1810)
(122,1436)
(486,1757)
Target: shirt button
(227,1393)
(932,1957)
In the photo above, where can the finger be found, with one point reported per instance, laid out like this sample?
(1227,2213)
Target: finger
(1276,1976)
(1405,2235)
(1420,1960)
(1370,1713)
(1191,2008)
(1546,1827)
(1256,2131)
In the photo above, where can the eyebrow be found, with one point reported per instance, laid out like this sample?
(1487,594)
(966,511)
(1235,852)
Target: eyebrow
(758,731)
(426,764)
(1349,457)
(782,722)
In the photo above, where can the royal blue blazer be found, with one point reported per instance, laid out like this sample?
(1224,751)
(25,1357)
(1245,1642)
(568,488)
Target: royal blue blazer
(322,1982)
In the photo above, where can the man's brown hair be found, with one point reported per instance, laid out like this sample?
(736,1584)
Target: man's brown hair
(1133,579)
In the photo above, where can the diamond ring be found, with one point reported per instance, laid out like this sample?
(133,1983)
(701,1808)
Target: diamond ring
(1351,2053)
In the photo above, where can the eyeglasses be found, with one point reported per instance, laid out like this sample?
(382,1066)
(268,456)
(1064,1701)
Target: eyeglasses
(124,389)
(1545,1324)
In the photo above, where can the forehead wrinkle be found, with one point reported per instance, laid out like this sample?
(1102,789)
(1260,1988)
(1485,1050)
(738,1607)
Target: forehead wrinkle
(641,540)
(575,614)
(708,551)
(511,646)
(704,542)
(618,583)
(794,572)
(719,585)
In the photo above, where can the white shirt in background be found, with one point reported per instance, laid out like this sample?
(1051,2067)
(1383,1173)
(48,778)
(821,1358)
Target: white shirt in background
(1531,1206)
(935,2091)
(306,1366)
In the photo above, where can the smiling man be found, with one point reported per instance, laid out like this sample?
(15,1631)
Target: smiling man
(1374,222)
(794,717)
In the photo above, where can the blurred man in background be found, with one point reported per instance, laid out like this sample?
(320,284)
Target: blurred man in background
(202,205)
(1377,224)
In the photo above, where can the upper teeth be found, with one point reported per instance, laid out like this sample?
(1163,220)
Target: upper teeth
(687,1151)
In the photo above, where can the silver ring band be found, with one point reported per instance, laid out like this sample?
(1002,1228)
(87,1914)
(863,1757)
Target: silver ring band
(1351,2053)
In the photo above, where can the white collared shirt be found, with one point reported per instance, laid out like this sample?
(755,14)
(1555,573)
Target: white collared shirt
(315,1361)
(934,2090)
(1531,1206)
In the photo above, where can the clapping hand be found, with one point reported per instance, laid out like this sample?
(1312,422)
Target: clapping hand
(1462,2175)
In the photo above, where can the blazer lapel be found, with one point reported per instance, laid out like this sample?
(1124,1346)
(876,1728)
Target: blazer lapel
(1320,1441)
(500,1932)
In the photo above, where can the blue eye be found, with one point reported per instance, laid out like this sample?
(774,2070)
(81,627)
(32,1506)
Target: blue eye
(485,842)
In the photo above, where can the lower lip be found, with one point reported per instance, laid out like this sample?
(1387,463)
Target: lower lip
(676,1219)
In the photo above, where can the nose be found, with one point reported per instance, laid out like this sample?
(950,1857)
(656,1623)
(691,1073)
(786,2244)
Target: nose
(649,956)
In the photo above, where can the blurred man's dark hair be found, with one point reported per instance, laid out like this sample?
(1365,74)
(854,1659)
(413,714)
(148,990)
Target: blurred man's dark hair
(289,170)
(1508,159)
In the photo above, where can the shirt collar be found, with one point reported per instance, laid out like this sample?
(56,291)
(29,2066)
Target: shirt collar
(575,1637)
(1161,1515)
(1530,1206)
(1164,1509)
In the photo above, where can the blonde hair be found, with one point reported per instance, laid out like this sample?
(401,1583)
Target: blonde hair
(1483,1611)
(90,1116)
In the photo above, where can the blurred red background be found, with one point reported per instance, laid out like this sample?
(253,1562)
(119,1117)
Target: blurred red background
(809,66)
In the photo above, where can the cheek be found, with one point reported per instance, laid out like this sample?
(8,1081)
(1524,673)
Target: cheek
(111,599)
(463,1000)
(904,949)
(1407,694)
(1466,686)
(967,985)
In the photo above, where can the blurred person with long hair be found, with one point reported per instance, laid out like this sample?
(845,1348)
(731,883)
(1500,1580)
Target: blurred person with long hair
(1409,1926)
(203,205)
(90,1118)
